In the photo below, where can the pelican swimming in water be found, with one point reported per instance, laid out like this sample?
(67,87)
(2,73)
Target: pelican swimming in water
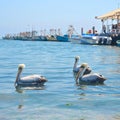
(28,81)
(91,78)
(76,68)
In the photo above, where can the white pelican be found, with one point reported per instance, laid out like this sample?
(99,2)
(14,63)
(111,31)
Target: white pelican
(28,81)
(91,78)
(76,68)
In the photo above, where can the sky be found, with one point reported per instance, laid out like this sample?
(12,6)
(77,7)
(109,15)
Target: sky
(24,15)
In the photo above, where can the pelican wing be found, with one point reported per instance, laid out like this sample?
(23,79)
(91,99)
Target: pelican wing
(90,77)
(31,78)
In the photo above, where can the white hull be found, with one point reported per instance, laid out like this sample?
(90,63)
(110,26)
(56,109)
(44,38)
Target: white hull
(93,40)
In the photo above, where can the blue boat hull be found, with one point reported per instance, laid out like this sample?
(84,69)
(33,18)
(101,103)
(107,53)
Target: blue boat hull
(62,38)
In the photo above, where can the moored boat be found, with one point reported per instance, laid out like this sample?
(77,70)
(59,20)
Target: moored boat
(62,38)
(95,39)
(88,39)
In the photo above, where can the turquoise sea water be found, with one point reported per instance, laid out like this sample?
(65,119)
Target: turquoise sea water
(60,99)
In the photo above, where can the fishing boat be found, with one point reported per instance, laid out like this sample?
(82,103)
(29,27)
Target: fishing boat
(89,39)
(93,39)
(63,38)
(25,36)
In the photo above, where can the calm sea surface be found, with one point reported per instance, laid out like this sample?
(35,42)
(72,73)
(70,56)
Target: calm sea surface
(60,99)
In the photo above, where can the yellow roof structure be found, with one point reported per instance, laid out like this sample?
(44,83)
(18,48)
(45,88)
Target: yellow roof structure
(115,14)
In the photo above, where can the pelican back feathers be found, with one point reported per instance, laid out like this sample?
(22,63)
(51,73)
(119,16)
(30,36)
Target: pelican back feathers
(92,78)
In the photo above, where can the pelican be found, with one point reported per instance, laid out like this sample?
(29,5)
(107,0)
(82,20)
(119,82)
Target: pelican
(28,81)
(76,68)
(91,78)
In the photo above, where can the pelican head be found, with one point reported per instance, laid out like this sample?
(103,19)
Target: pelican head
(88,69)
(84,65)
(77,58)
(21,66)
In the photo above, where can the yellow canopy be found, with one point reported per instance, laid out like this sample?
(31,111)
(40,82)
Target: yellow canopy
(115,14)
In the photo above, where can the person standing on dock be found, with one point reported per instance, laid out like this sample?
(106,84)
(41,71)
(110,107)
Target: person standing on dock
(104,29)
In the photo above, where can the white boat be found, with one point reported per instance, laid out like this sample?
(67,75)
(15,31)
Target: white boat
(96,39)
(89,39)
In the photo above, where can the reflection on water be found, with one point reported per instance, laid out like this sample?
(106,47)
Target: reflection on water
(22,89)
(60,98)
(81,87)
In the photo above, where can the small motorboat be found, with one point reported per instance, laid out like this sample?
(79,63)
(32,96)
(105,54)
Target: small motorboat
(96,39)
